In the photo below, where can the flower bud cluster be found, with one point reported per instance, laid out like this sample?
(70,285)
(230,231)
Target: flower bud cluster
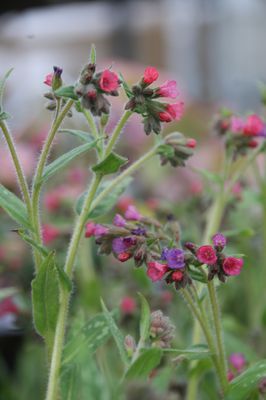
(176,149)
(161,330)
(54,80)
(143,100)
(158,247)
(92,87)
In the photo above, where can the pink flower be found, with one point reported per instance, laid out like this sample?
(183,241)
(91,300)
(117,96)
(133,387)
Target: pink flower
(238,361)
(132,214)
(100,230)
(177,276)
(89,229)
(150,75)
(124,256)
(109,81)
(124,202)
(230,376)
(191,143)
(232,265)
(172,112)
(128,305)
(253,125)
(49,79)
(219,240)
(119,220)
(49,233)
(52,200)
(168,89)
(236,124)
(207,255)
(8,306)
(156,270)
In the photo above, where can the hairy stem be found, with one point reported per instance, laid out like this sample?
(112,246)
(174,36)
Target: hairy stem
(117,131)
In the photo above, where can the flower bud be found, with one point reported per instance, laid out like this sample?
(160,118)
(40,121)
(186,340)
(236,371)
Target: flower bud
(130,345)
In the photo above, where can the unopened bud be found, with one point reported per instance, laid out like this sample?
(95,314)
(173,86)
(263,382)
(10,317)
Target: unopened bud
(130,345)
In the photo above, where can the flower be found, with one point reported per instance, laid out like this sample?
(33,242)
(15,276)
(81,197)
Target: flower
(219,241)
(206,255)
(232,265)
(100,230)
(156,270)
(230,376)
(49,233)
(48,79)
(238,361)
(109,81)
(177,276)
(120,245)
(253,125)
(172,112)
(191,143)
(128,305)
(150,75)
(168,89)
(175,258)
(119,220)
(236,124)
(124,256)
(89,229)
(133,214)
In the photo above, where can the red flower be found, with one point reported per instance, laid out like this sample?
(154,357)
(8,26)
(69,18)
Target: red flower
(128,305)
(253,125)
(156,270)
(232,265)
(177,276)
(172,112)
(49,233)
(191,143)
(124,256)
(49,79)
(109,81)
(168,89)
(207,255)
(150,75)
(90,229)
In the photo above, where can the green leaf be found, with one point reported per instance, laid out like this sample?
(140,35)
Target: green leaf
(45,298)
(116,333)
(84,136)
(2,88)
(89,338)
(166,150)
(67,92)
(43,250)
(110,164)
(93,54)
(65,159)
(196,352)
(243,385)
(245,232)
(63,278)
(144,319)
(70,382)
(126,88)
(144,364)
(197,275)
(14,207)
(107,203)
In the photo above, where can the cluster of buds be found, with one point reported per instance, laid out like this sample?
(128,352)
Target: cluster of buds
(92,86)
(54,81)
(161,330)
(147,242)
(143,100)
(176,149)
(241,134)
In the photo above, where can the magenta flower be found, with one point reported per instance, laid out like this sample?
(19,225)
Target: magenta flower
(168,89)
(253,125)
(48,79)
(236,124)
(109,81)
(124,256)
(232,265)
(100,230)
(207,255)
(177,276)
(133,214)
(150,75)
(156,270)
(230,376)
(119,221)
(49,233)
(219,241)
(90,229)
(128,305)
(121,245)
(191,143)
(175,258)
(172,112)
(238,361)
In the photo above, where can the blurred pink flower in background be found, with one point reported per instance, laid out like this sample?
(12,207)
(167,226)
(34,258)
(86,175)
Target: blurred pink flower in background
(128,305)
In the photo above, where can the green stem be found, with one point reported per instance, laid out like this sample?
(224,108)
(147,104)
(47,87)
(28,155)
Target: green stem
(91,122)
(37,184)
(117,131)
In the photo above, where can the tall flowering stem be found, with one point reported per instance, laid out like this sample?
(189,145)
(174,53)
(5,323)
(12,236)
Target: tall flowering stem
(117,131)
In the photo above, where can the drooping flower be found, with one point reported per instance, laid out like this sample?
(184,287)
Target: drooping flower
(253,125)
(119,220)
(172,112)
(108,81)
(219,241)
(48,79)
(207,255)
(150,75)
(238,361)
(121,245)
(232,265)
(175,258)
(168,89)
(132,213)
(100,230)
(156,270)
(89,229)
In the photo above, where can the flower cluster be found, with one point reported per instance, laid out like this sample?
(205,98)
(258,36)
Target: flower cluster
(92,86)
(161,330)
(241,133)
(146,241)
(143,100)
(54,81)
(176,149)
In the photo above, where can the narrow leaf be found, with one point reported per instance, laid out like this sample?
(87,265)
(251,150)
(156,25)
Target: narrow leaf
(70,382)
(64,280)
(2,87)
(14,207)
(196,352)
(117,334)
(125,86)
(110,164)
(43,250)
(93,54)
(67,92)
(107,203)
(144,319)
(84,136)
(144,364)
(65,159)
(45,298)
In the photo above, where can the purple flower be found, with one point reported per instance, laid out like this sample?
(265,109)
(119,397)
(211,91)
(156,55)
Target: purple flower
(121,245)
(238,361)
(119,221)
(133,214)
(175,258)
(100,230)
(139,231)
(164,253)
(219,240)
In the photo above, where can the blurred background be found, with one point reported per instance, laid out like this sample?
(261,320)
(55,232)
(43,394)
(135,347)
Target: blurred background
(215,50)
